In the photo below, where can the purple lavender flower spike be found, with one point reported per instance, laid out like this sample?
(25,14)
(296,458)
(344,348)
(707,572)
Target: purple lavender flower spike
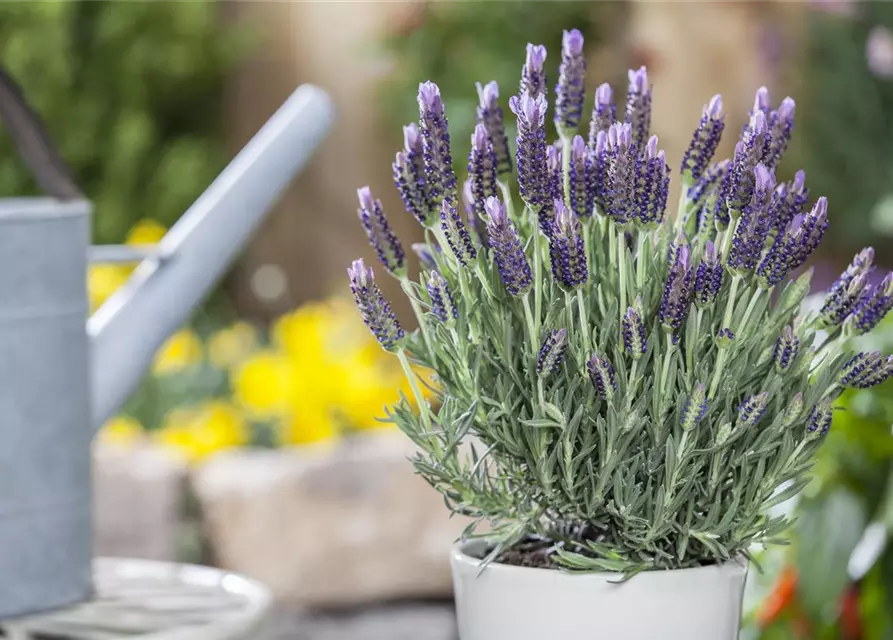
(790,250)
(569,92)
(556,181)
(489,113)
(582,192)
(710,179)
(786,347)
(374,308)
(652,186)
(621,161)
(751,410)
(865,370)
(481,168)
(677,292)
(508,254)
(456,234)
(604,113)
(635,340)
(738,185)
(819,420)
(473,215)
(551,353)
(599,163)
(381,237)
(781,124)
(425,255)
(791,198)
(708,278)
(638,106)
(533,180)
(601,372)
(443,306)
(704,141)
(566,248)
(874,303)
(435,136)
(694,409)
(847,290)
(533,77)
(409,176)
(753,227)
(810,234)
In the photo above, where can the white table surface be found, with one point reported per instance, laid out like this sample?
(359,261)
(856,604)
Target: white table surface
(149,600)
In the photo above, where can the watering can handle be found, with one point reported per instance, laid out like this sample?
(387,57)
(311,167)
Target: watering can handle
(28,133)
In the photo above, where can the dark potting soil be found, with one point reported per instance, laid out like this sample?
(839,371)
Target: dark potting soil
(535,553)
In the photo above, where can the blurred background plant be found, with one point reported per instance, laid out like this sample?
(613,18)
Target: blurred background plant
(130,93)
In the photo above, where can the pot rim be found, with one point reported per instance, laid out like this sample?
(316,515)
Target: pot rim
(39,208)
(461,558)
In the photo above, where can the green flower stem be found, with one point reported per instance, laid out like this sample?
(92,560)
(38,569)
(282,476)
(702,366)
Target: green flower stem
(640,261)
(537,280)
(466,294)
(539,391)
(611,242)
(424,409)
(531,327)
(566,168)
(727,238)
(584,321)
(681,207)
(587,245)
(690,345)
(633,383)
(420,316)
(727,320)
(507,199)
(621,265)
(750,307)
(484,282)
(665,370)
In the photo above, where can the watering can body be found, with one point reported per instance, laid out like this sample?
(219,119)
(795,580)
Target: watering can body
(61,380)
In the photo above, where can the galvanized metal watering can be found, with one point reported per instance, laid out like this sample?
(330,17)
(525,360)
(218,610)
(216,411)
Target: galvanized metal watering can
(60,381)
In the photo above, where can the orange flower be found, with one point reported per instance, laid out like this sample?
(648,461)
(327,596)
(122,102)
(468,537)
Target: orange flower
(850,620)
(780,599)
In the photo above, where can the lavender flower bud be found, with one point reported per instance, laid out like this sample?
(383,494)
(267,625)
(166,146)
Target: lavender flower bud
(751,410)
(710,180)
(569,92)
(472,216)
(601,372)
(725,338)
(738,186)
(582,192)
(753,227)
(508,254)
(676,245)
(533,77)
(599,162)
(374,308)
(865,370)
(651,185)
(442,304)
(638,106)
(381,237)
(489,113)
(847,289)
(481,169)
(694,409)
(533,180)
(789,200)
(786,347)
(791,250)
(621,161)
(708,278)
(425,255)
(635,340)
(566,248)
(704,141)
(551,353)
(604,113)
(456,234)
(819,420)
(793,411)
(761,101)
(677,292)
(441,181)
(872,306)
(409,176)
(781,124)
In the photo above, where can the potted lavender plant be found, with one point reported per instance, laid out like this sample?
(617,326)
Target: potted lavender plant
(623,395)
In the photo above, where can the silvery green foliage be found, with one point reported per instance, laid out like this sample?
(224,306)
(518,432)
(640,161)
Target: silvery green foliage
(648,411)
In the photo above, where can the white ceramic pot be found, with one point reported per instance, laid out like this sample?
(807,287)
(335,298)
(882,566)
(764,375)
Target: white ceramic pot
(505,602)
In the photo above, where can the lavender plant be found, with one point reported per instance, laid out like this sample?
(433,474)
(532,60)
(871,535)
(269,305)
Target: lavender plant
(630,389)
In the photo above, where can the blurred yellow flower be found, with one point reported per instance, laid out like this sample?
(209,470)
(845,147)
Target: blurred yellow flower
(307,424)
(121,430)
(146,232)
(232,345)
(263,384)
(182,350)
(200,431)
(103,280)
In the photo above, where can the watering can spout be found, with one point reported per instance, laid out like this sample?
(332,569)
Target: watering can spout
(173,279)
